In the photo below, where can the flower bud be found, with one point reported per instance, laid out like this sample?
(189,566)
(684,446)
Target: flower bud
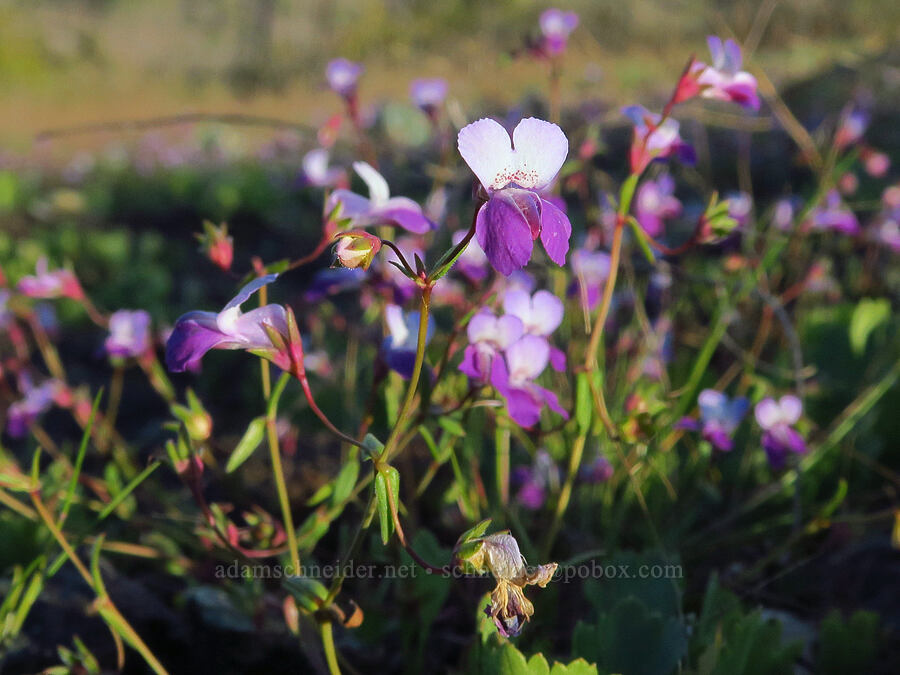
(356,249)
(217,245)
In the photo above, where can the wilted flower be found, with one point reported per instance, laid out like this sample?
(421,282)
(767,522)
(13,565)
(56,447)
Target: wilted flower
(428,94)
(556,26)
(316,171)
(834,215)
(379,208)
(654,202)
(513,376)
(356,249)
(60,283)
(399,347)
(342,76)
(655,139)
(719,417)
(129,333)
(777,418)
(36,401)
(488,337)
(724,79)
(513,173)
(195,333)
(499,554)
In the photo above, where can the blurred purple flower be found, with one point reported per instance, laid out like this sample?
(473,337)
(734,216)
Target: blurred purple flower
(488,336)
(777,419)
(317,173)
(332,281)
(724,80)
(399,347)
(851,128)
(740,205)
(129,333)
(598,471)
(533,482)
(342,76)
(514,375)
(60,283)
(654,141)
(35,401)
(379,208)
(195,333)
(513,174)
(783,213)
(556,26)
(719,417)
(834,215)
(654,202)
(428,94)
(473,263)
(591,269)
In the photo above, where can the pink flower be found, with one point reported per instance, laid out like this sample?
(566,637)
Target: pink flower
(60,283)
(655,139)
(513,171)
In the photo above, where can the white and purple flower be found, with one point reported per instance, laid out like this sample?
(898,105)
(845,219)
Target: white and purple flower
(343,76)
(399,347)
(489,336)
(591,269)
(35,401)
(317,173)
(44,284)
(379,208)
(724,80)
(428,94)
(129,333)
(514,374)
(513,171)
(834,215)
(777,419)
(195,333)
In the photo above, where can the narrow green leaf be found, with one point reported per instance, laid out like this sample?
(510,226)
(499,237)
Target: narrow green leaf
(583,406)
(251,440)
(79,459)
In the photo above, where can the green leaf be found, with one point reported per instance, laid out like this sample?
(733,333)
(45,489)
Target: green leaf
(451,426)
(373,445)
(247,445)
(583,406)
(476,532)
(345,480)
(868,315)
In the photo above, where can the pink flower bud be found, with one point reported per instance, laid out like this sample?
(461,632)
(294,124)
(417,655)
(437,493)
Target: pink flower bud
(356,249)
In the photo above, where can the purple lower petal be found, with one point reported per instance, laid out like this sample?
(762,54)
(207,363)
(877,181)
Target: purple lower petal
(194,335)
(555,232)
(552,402)
(412,220)
(558,360)
(504,235)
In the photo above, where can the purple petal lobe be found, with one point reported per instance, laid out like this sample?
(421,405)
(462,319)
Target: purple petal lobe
(555,232)
(194,334)
(504,235)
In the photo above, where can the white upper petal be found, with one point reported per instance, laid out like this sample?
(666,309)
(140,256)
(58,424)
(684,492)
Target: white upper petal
(768,413)
(527,358)
(791,409)
(487,149)
(531,160)
(540,148)
(378,187)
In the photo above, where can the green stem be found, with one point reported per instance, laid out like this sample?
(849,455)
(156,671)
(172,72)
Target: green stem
(277,469)
(390,445)
(328,644)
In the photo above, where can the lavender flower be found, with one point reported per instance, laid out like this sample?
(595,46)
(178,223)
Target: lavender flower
(556,26)
(598,471)
(36,401)
(428,94)
(472,263)
(724,80)
(488,337)
(379,208)
(654,202)
(514,375)
(195,333)
(317,173)
(342,76)
(834,215)
(399,347)
(535,480)
(719,417)
(540,314)
(655,139)
(513,174)
(777,420)
(129,333)
(591,269)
